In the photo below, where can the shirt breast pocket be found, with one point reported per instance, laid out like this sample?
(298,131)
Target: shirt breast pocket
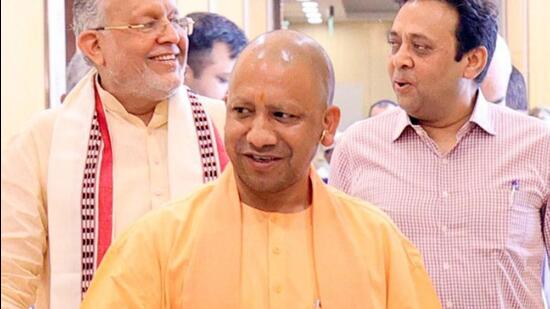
(524,222)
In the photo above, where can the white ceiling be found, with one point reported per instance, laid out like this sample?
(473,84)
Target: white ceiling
(344,10)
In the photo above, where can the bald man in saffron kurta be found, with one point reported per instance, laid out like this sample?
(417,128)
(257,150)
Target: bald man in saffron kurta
(268,233)
(212,251)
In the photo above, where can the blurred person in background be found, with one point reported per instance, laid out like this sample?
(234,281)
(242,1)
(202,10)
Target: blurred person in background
(76,70)
(213,49)
(381,106)
(516,93)
(495,83)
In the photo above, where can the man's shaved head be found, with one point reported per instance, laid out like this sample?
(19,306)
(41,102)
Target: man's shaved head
(288,48)
(278,111)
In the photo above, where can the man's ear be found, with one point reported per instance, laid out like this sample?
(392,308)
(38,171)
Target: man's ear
(476,60)
(331,120)
(88,43)
(225,98)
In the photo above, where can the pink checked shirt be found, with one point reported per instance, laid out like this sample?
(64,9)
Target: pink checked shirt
(478,214)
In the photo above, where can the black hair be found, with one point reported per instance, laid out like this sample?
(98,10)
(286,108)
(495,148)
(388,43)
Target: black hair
(516,94)
(208,29)
(477,26)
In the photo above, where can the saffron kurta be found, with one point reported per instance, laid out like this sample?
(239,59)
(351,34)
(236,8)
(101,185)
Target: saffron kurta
(141,182)
(199,253)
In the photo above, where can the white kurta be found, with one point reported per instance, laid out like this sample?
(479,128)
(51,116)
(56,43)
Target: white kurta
(41,186)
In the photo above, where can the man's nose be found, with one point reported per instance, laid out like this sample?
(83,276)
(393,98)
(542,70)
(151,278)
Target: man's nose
(169,33)
(402,58)
(261,133)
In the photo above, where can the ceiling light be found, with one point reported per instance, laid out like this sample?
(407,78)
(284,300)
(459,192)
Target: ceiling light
(310,10)
(310,4)
(313,15)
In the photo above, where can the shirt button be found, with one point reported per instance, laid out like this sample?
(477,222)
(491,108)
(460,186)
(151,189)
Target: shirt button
(445,161)
(444,194)
(278,289)
(276,251)
(156,162)
(444,228)
(446,266)
(449,304)
(273,219)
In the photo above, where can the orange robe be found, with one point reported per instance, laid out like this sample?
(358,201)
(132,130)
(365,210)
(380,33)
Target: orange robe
(190,255)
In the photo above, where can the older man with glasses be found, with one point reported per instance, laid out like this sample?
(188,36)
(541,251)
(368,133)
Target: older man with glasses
(128,138)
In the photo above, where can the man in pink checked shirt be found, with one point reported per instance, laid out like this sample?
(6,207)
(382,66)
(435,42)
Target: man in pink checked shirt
(467,181)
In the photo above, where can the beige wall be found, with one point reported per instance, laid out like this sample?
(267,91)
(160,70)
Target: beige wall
(526,24)
(188,6)
(359,52)
(23,70)
(253,16)
(539,53)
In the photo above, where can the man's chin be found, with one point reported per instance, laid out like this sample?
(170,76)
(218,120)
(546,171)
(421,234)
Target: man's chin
(166,82)
(260,185)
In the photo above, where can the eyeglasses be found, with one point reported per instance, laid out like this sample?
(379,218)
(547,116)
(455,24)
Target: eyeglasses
(157,26)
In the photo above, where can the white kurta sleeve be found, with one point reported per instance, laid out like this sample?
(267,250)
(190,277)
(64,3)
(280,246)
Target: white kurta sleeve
(24,222)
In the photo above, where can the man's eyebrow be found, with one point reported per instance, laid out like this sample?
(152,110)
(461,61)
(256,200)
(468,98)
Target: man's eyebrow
(418,36)
(414,36)
(392,34)
(239,99)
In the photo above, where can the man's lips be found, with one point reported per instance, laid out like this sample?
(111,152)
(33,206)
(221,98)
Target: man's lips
(263,158)
(401,85)
(164,57)
(262,162)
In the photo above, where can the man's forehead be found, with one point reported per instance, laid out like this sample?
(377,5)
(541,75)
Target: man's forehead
(270,99)
(280,59)
(287,59)
(276,69)
(425,19)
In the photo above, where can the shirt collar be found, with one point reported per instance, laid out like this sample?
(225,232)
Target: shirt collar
(402,122)
(480,115)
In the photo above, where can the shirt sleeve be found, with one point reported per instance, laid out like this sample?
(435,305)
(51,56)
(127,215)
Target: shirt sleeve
(409,285)
(129,275)
(24,223)
(340,169)
(545,215)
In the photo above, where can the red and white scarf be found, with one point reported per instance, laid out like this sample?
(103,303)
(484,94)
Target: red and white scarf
(80,180)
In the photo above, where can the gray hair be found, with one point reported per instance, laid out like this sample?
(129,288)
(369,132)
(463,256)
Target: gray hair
(87,14)
(77,68)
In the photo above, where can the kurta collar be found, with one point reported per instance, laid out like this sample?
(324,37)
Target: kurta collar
(213,277)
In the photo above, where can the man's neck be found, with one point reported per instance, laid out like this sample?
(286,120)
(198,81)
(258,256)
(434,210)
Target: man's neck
(139,107)
(444,131)
(294,199)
